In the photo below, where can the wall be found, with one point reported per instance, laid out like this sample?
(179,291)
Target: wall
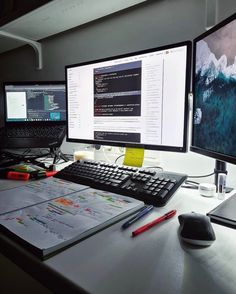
(156,23)
(153,24)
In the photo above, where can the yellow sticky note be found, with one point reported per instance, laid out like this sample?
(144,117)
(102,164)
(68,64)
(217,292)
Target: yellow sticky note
(134,157)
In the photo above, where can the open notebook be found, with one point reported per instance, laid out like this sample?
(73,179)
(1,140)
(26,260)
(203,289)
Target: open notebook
(52,225)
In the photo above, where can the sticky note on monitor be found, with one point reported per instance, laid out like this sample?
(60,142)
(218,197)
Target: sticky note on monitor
(134,157)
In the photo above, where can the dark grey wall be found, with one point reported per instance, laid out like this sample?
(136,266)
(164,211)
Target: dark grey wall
(225,8)
(156,23)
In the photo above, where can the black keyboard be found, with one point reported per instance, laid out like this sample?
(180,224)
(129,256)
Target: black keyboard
(35,131)
(151,186)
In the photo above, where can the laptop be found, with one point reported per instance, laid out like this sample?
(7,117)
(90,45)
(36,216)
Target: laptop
(35,114)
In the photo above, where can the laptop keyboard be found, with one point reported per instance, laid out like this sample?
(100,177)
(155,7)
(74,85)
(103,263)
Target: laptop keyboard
(35,132)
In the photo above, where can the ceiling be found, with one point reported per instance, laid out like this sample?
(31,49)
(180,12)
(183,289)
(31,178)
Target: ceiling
(38,19)
(12,9)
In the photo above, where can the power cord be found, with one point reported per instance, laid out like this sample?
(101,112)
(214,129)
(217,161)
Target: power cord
(192,184)
(203,176)
(156,167)
(122,155)
(39,158)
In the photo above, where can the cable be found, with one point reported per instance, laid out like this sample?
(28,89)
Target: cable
(122,155)
(104,154)
(204,176)
(12,158)
(190,185)
(69,156)
(191,182)
(158,167)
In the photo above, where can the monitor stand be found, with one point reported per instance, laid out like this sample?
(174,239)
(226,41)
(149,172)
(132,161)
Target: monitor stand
(57,154)
(220,167)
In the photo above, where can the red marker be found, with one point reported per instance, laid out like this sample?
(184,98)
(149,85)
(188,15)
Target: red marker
(12,175)
(153,223)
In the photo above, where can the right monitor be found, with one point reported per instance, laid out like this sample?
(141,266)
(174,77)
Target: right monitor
(214,92)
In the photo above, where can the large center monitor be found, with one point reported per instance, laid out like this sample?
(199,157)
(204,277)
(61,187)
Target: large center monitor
(214,92)
(133,100)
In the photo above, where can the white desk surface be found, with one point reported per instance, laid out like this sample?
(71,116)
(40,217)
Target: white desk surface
(111,262)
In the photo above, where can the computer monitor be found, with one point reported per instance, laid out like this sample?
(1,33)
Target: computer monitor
(35,114)
(133,100)
(214,94)
(35,102)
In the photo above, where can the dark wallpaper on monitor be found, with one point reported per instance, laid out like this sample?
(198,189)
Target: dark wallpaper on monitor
(215,91)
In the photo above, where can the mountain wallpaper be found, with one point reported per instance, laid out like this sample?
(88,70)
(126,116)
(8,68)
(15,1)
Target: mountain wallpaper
(215,91)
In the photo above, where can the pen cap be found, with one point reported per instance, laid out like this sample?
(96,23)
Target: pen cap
(50,173)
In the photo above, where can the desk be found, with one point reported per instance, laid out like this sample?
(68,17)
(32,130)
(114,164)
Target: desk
(111,262)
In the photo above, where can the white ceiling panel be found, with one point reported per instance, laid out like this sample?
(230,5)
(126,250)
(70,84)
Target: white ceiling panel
(60,15)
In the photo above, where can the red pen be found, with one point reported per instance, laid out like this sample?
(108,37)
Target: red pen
(153,223)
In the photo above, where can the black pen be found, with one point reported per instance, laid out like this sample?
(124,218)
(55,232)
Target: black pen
(139,215)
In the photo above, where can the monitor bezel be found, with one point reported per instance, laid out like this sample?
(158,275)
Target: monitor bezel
(29,83)
(196,149)
(182,148)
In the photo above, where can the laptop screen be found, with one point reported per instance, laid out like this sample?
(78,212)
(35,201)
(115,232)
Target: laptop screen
(35,102)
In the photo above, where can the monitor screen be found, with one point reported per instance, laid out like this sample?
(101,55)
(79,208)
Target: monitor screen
(35,102)
(138,99)
(214,92)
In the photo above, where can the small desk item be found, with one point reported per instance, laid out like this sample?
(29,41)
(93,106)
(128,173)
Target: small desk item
(195,228)
(25,172)
(153,223)
(13,175)
(140,214)
(134,156)
(224,214)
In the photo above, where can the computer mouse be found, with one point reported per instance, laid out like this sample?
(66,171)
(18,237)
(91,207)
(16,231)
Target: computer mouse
(196,228)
